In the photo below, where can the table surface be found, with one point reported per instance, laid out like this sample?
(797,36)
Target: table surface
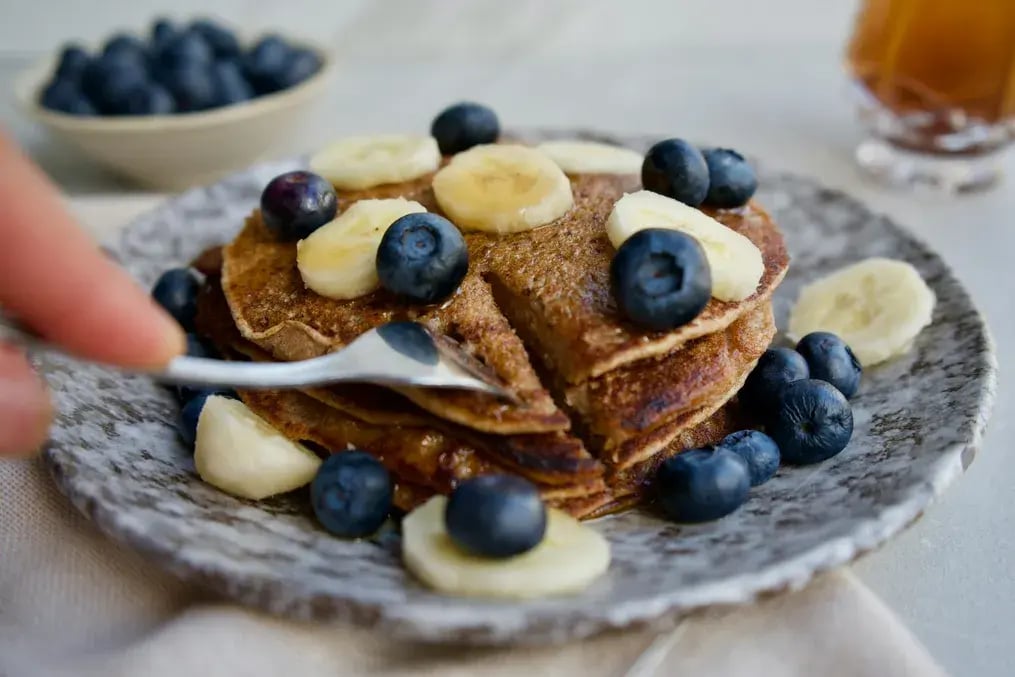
(764,78)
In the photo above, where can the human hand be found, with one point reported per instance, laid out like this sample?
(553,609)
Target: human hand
(55,279)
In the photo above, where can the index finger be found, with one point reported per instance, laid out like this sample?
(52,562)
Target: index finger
(56,279)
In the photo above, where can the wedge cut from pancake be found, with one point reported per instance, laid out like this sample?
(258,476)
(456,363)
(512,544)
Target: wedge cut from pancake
(554,458)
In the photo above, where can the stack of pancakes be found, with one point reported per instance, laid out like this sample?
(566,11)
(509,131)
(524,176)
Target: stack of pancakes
(601,401)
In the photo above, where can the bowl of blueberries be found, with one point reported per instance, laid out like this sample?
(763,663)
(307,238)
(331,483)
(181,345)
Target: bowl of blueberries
(180,106)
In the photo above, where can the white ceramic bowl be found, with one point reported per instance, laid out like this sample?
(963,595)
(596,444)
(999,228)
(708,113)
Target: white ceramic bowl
(172,152)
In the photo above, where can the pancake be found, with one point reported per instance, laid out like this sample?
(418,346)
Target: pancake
(602,402)
(427,455)
(624,420)
(555,458)
(532,299)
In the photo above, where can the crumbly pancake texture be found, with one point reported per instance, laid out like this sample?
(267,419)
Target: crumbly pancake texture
(542,294)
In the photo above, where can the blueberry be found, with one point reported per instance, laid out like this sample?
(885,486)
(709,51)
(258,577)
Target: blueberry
(193,86)
(731,180)
(775,368)
(496,516)
(107,79)
(758,450)
(661,278)
(464,125)
(701,485)
(422,257)
(197,347)
(351,494)
(124,46)
(222,41)
(295,204)
(265,62)
(176,291)
(230,85)
(162,30)
(184,50)
(831,360)
(813,422)
(302,64)
(65,96)
(145,98)
(72,63)
(676,169)
(190,413)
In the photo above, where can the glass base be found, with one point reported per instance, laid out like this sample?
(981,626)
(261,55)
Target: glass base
(946,173)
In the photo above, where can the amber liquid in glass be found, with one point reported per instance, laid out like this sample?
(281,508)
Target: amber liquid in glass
(944,70)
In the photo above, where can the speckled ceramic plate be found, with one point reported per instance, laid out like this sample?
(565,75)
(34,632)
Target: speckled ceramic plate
(918,422)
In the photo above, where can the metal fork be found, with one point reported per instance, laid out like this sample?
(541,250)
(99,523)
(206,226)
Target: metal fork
(394,354)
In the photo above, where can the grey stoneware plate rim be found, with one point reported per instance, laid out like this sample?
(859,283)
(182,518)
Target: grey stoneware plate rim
(115,455)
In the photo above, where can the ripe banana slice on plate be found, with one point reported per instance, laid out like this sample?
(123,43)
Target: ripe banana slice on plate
(240,453)
(734,260)
(589,157)
(367,161)
(877,306)
(570,557)
(339,259)
(502,189)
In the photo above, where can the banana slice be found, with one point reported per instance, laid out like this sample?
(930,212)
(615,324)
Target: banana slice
(877,306)
(502,189)
(366,161)
(240,453)
(734,260)
(339,259)
(589,157)
(570,557)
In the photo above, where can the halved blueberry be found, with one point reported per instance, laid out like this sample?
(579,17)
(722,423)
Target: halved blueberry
(813,422)
(661,278)
(701,485)
(775,368)
(351,494)
(831,360)
(758,450)
(731,179)
(65,96)
(496,516)
(464,125)
(72,62)
(295,204)
(176,291)
(676,169)
(422,257)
